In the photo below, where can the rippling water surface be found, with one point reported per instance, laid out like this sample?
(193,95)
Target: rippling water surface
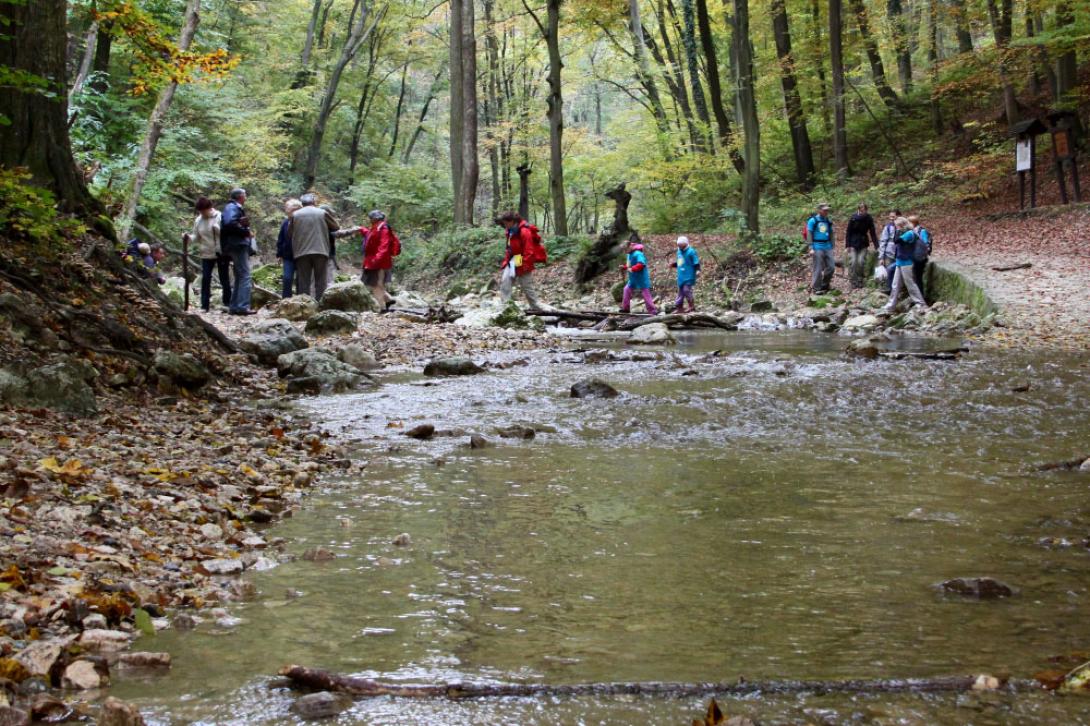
(771,511)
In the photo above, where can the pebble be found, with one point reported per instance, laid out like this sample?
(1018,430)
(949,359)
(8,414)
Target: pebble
(81,675)
(318,554)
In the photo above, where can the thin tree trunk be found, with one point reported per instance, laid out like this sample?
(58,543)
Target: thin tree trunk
(357,36)
(639,43)
(896,13)
(366,97)
(397,111)
(524,172)
(323,22)
(819,63)
(792,101)
(689,41)
(308,43)
(457,102)
(674,74)
(101,66)
(36,137)
(933,63)
(471,167)
(155,123)
(1002,19)
(1067,70)
(836,59)
(715,89)
(961,23)
(493,103)
(432,92)
(751,127)
(90,43)
(878,70)
(555,103)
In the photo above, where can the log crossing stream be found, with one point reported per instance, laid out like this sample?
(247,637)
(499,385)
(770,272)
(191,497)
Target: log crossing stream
(752,505)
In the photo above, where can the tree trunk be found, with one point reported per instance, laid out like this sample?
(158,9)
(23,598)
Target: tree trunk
(836,59)
(155,123)
(674,74)
(639,44)
(432,92)
(358,34)
(493,103)
(819,63)
(895,10)
(457,101)
(933,62)
(689,41)
(961,22)
(751,127)
(397,111)
(555,113)
(471,166)
(101,65)
(524,190)
(715,90)
(323,22)
(33,41)
(367,96)
(308,43)
(792,101)
(878,70)
(1067,76)
(1002,19)
(90,43)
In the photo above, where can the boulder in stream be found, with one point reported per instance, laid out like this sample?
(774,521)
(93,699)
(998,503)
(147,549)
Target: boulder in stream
(456,366)
(593,388)
(862,348)
(323,704)
(332,322)
(312,370)
(652,334)
(116,712)
(352,297)
(423,432)
(979,588)
(272,339)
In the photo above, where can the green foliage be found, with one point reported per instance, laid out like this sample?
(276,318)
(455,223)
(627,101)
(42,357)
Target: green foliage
(413,195)
(778,247)
(461,252)
(29,214)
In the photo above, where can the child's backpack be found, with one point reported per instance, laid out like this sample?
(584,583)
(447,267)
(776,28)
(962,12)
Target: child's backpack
(537,252)
(922,250)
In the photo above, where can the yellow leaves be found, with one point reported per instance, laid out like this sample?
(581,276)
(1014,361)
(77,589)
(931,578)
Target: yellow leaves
(13,670)
(70,471)
(162,474)
(12,578)
(712,717)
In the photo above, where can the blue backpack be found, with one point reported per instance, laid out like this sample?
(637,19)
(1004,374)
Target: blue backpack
(922,249)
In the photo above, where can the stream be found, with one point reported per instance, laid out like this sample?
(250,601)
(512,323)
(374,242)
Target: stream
(753,505)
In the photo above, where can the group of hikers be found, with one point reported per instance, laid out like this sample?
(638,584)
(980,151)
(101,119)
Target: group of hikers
(903,248)
(305,247)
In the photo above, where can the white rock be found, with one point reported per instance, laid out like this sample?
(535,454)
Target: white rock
(95,621)
(211,531)
(652,334)
(39,657)
(222,567)
(861,322)
(81,675)
(104,641)
(1085,466)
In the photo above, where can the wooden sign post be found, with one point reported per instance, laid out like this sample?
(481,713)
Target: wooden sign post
(185,272)
(1063,152)
(1025,154)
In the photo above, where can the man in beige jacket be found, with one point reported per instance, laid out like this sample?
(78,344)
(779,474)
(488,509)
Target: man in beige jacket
(309,230)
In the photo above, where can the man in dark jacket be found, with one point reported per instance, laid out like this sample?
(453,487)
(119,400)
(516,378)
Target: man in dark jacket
(283,248)
(859,237)
(235,237)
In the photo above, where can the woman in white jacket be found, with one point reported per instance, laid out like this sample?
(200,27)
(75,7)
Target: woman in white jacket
(206,234)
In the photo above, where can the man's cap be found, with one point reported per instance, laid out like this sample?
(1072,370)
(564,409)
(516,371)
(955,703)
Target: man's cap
(682,241)
(376,215)
(823,206)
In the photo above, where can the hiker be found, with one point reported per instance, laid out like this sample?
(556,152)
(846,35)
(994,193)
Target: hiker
(206,234)
(152,257)
(523,249)
(819,232)
(887,249)
(639,278)
(906,246)
(309,229)
(923,252)
(380,247)
(858,238)
(236,241)
(332,268)
(284,254)
(687,264)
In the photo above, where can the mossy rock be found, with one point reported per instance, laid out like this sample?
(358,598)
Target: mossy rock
(270,276)
(512,318)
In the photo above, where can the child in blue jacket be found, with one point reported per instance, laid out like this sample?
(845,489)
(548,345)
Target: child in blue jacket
(687,264)
(639,279)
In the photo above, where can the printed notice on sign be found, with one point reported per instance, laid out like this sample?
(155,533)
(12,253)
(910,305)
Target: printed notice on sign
(1022,156)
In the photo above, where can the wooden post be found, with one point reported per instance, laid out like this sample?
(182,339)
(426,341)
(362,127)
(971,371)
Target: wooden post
(1025,158)
(185,272)
(1033,172)
(1063,152)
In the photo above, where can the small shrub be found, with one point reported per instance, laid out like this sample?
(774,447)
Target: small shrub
(777,247)
(29,214)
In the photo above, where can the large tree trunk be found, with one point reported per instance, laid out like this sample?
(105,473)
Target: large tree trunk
(836,59)
(792,101)
(961,23)
(715,90)
(878,70)
(33,41)
(101,66)
(550,30)
(471,166)
(900,32)
(1002,19)
(457,126)
(751,126)
(358,34)
(493,106)
(155,123)
(1067,76)
(689,41)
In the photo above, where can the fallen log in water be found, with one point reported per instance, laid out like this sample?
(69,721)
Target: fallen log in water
(314,679)
(690,320)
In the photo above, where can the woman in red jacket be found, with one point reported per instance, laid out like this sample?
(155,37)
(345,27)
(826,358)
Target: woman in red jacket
(380,247)
(518,260)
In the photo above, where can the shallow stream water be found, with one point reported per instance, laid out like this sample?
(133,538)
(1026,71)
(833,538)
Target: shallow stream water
(771,511)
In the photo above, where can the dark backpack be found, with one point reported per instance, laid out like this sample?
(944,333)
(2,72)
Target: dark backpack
(922,250)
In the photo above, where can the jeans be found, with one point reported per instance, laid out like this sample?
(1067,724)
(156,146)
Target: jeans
(903,277)
(240,258)
(525,283)
(648,301)
(857,265)
(824,267)
(223,265)
(918,270)
(312,271)
(289,279)
(685,292)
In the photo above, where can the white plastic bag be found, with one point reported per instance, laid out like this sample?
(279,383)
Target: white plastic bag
(881,273)
(508,272)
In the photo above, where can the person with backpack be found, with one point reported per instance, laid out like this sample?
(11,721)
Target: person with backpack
(819,233)
(236,241)
(380,247)
(887,249)
(284,253)
(858,238)
(687,265)
(524,250)
(639,278)
(902,277)
(922,252)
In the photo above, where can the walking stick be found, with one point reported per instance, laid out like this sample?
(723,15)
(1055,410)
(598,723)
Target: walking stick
(185,272)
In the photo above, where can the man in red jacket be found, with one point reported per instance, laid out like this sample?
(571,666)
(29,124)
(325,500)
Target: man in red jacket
(380,247)
(518,261)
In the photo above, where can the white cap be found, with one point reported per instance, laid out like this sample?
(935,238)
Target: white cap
(682,241)
(143,248)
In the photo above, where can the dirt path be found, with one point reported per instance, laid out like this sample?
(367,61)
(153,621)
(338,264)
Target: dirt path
(1046,304)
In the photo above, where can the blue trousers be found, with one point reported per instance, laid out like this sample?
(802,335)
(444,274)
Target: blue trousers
(223,266)
(240,258)
(289,279)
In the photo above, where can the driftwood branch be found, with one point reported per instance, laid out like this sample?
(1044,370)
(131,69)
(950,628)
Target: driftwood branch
(1008,268)
(314,679)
